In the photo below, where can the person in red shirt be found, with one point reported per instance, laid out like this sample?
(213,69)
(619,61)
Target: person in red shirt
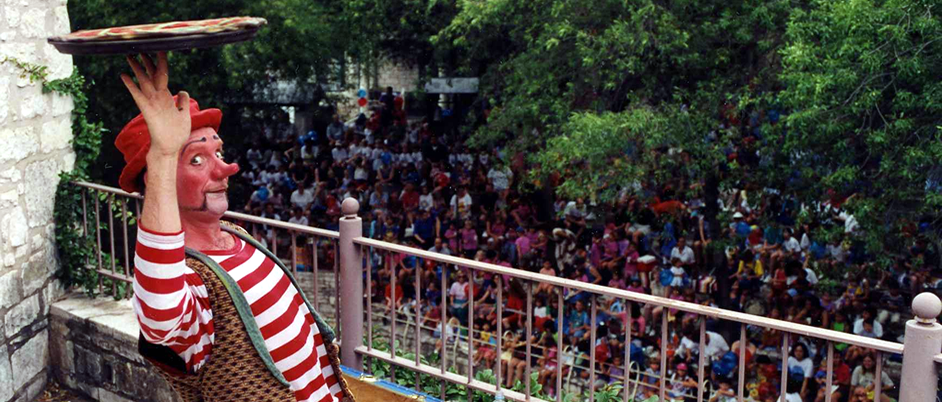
(409,198)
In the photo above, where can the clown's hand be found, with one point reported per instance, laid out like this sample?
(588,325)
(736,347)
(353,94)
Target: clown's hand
(168,119)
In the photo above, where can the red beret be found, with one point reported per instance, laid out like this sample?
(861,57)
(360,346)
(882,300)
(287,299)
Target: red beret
(134,142)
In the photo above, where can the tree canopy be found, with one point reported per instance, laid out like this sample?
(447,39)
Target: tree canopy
(819,100)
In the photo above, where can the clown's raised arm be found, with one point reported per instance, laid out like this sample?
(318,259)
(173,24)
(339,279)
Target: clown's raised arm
(204,288)
(168,122)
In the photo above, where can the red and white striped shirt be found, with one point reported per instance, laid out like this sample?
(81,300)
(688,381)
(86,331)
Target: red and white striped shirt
(172,306)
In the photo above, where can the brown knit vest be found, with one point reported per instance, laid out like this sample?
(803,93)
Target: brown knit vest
(234,371)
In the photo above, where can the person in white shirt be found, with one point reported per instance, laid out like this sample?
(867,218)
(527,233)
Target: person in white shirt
(500,178)
(683,252)
(440,247)
(255,157)
(867,326)
(339,154)
(297,217)
(791,245)
(461,203)
(426,200)
(714,349)
(303,196)
(791,248)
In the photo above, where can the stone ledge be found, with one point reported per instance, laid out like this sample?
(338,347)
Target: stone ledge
(113,317)
(93,348)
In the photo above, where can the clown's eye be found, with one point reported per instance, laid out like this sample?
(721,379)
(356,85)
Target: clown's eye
(220,155)
(197,160)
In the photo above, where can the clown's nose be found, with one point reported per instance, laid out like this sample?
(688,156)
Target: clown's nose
(224,170)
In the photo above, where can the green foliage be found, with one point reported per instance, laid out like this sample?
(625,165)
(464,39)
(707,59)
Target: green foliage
(605,95)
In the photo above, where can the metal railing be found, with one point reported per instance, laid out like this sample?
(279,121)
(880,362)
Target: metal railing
(353,274)
(115,264)
(503,273)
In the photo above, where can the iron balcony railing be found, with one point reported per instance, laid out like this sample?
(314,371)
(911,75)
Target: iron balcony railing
(352,274)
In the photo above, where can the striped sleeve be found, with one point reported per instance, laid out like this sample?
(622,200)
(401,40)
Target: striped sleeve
(170,300)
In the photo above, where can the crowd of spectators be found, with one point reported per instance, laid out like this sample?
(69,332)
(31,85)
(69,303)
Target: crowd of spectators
(427,190)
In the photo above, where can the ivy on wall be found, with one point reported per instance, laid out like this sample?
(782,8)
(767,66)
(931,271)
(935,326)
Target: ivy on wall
(75,249)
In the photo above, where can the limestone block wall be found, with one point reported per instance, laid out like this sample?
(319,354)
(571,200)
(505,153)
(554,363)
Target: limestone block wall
(398,76)
(93,350)
(35,130)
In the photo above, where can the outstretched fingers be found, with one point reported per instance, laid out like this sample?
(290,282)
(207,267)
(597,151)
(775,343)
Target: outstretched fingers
(149,66)
(160,80)
(133,89)
(143,79)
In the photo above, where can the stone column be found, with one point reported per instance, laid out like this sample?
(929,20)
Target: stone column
(35,130)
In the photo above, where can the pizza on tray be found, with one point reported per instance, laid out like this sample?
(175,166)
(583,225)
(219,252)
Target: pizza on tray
(176,28)
(164,36)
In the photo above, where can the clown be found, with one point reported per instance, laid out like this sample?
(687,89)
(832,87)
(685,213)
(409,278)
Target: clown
(220,316)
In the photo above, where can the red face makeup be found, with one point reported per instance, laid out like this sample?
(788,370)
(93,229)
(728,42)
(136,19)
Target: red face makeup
(203,175)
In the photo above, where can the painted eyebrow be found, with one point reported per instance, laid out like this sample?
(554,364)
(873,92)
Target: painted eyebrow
(188,144)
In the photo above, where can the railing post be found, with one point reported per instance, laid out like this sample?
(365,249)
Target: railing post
(922,343)
(351,285)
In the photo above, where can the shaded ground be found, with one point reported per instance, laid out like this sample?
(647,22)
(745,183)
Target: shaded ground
(55,393)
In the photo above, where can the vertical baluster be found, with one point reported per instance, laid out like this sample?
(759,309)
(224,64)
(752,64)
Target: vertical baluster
(830,373)
(137,208)
(443,354)
(114,268)
(878,377)
(559,345)
(471,327)
(369,295)
(128,255)
(627,359)
(392,310)
(592,336)
(418,321)
(314,264)
(392,313)
(85,219)
(98,241)
(784,354)
(701,362)
(742,361)
(663,373)
(274,242)
(526,379)
(498,279)
(294,252)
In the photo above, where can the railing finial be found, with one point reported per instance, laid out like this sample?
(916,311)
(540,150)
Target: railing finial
(926,307)
(350,207)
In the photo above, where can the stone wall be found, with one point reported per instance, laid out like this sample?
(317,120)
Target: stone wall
(400,77)
(35,130)
(93,348)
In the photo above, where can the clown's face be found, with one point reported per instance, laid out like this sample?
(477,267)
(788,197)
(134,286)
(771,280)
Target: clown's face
(203,176)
